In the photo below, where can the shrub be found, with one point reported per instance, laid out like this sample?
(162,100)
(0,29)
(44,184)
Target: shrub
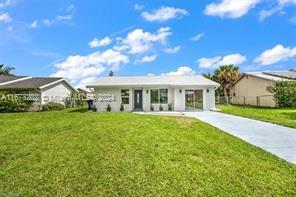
(284,93)
(50,106)
(94,108)
(121,107)
(151,108)
(13,104)
(108,107)
(75,99)
(170,107)
(160,108)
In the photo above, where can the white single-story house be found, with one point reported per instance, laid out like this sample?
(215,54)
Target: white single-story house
(41,89)
(146,93)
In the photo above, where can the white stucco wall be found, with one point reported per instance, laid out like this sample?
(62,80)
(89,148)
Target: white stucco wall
(209,99)
(176,97)
(55,93)
(116,92)
(179,99)
(115,105)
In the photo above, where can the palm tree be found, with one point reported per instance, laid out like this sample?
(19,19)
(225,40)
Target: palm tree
(208,75)
(111,73)
(226,75)
(6,70)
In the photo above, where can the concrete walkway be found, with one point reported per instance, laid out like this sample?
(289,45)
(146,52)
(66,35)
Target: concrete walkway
(276,139)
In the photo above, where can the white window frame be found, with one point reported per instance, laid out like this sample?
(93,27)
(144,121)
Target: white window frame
(158,102)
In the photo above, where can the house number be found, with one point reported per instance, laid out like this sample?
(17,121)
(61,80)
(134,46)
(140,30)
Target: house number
(106,98)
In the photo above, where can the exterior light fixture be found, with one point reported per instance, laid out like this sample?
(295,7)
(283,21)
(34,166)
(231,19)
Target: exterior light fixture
(147,91)
(180,91)
(208,90)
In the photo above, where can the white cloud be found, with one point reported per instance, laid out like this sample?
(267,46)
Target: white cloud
(139,42)
(34,24)
(86,81)
(281,4)
(138,7)
(48,22)
(275,55)
(5,17)
(98,43)
(49,54)
(230,8)
(267,13)
(147,58)
(197,37)
(6,3)
(183,70)
(70,8)
(172,50)
(286,2)
(217,61)
(64,18)
(77,67)
(163,14)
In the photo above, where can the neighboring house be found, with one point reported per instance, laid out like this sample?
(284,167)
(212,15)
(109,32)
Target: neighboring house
(251,87)
(139,93)
(42,89)
(86,93)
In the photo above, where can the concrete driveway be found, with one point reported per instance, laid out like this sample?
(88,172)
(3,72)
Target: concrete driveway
(276,139)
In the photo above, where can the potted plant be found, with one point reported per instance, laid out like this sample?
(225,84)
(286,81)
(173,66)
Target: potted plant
(160,108)
(170,107)
(94,108)
(108,107)
(121,107)
(151,108)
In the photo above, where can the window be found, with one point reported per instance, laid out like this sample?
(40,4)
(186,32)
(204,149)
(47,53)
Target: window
(163,96)
(125,96)
(159,96)
(154,96)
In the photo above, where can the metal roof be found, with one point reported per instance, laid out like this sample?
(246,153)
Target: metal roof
(31,83)
(284,74)
(265,76)
(4,79)
(163,80)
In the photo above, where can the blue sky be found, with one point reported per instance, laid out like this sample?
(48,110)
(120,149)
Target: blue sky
(82,40)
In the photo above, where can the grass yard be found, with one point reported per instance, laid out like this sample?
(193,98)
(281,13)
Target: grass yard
(71,153)
(285,117)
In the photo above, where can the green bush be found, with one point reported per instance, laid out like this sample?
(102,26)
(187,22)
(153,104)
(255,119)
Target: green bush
(13,106)
(11,103)
(284,93)
(108,107)
(50,106)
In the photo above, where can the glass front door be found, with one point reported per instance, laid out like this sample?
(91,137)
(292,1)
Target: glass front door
(194,99)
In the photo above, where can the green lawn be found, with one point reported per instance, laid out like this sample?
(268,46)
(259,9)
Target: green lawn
(70,153)
(286,117)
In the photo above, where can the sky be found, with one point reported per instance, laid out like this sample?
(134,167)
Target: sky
(82,40)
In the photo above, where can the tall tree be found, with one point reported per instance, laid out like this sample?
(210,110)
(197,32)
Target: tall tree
(111,73)
(226,75)
(6,70)
(208,75)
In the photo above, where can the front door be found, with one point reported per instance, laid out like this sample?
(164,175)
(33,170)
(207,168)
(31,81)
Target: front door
(138,98)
